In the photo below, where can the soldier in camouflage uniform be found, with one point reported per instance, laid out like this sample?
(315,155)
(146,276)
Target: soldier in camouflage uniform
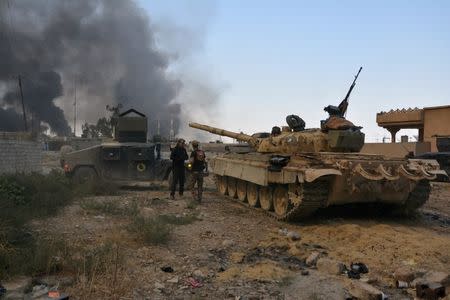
(198,161)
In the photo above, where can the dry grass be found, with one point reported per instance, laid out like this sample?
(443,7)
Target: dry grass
(158,229)
(27,197)
(110,207)
(151,230)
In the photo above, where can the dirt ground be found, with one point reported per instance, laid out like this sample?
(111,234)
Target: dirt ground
(238,253)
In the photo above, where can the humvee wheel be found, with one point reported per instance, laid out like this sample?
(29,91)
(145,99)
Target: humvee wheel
(232,187)
(252,194)
(84,174)
(281,200)
(266,198)
(241,188)
(221,182)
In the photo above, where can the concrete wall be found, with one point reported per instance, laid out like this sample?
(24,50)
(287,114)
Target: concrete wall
(20,155)
(395,149)
(436,122)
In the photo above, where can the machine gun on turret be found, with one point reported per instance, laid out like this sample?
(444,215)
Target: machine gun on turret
(341,109)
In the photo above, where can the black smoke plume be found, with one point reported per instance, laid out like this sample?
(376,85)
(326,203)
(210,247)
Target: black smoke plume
(102,50)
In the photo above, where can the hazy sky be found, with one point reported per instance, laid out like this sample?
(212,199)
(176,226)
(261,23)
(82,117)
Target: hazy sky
(269,59)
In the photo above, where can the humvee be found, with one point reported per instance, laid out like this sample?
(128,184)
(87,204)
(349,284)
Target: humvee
(128,157)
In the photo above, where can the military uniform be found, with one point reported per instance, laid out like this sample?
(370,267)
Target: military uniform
(198,160)
(178,155)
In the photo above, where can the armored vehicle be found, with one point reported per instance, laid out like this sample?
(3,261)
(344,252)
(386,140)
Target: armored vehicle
(295,171)
(128,157)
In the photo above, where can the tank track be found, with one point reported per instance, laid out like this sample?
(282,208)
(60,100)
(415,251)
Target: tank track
(417,197)
(315,195)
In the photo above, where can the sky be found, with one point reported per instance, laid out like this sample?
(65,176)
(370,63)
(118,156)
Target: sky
(269,59)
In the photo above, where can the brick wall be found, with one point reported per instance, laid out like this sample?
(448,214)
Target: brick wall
(19,155)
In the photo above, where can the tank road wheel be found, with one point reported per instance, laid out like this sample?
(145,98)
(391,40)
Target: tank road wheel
(232,187)
(241,188)
(221,182)
(281,200)
(252,194)
(266,197)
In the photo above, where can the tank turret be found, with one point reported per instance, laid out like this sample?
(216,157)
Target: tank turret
(305,140)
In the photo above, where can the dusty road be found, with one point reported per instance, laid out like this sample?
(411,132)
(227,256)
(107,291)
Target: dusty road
(233,251)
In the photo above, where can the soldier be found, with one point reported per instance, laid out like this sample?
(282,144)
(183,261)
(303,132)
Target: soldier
(198,162)
(157,140)
(178,155)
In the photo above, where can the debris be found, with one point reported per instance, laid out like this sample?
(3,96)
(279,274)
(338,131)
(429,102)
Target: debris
(430,290)
(283,231)
(57,295)
(353,275)
(436,277)
(293,235)
(167,269)
(330,266)
(312,259)
(193,282)
(173,280)
(359,268)
(365,291)
(401,284)
(405,274)
(356,269)
(198,274)
(39,291)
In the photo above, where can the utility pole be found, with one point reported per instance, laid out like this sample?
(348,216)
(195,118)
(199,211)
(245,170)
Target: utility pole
(23,105)
(75,110)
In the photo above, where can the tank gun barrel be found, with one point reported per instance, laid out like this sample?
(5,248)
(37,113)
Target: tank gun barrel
(238,136)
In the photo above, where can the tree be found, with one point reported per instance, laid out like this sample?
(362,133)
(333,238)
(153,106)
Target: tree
(104,126)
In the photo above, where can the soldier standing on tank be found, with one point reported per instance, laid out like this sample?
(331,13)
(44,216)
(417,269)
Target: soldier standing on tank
(178,155)
(198,162)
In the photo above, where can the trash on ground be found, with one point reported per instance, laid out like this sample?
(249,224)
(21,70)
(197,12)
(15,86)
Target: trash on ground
(167,269)
(194,282)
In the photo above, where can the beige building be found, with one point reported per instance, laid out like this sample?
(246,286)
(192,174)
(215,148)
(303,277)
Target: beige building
(432,123)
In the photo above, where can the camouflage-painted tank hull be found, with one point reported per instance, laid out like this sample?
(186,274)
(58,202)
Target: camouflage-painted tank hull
(292,187)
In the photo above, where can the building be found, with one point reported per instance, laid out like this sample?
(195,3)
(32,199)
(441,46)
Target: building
(432,123)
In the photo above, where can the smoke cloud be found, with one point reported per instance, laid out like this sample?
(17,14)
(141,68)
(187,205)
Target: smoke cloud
(102,51)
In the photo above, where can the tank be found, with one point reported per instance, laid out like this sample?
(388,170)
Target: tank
(292,172)
(127,157)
